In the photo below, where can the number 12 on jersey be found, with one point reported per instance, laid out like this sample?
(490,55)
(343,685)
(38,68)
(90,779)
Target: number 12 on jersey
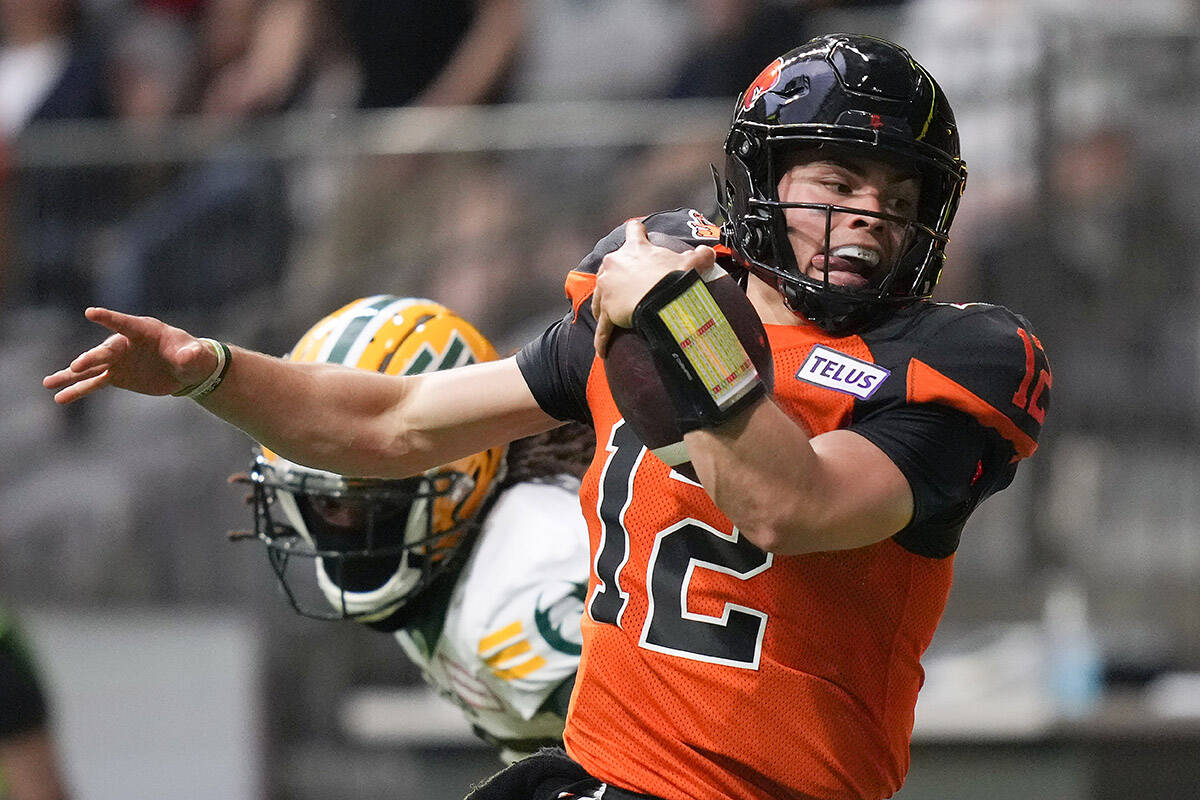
(1029,394)
(735,637)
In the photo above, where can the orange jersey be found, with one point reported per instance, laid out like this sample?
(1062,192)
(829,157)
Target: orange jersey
(712,669)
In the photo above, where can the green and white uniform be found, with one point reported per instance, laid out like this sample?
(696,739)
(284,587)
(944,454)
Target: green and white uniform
(503,643)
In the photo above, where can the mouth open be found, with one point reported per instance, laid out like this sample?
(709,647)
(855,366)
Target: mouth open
(850,266)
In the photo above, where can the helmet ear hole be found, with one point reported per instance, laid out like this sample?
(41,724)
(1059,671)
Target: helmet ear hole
(796,87)
(750,236)
(746,146)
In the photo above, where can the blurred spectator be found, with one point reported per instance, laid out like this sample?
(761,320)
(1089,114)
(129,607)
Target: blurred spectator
(738,37)
(192,236)
(405,54)
(584,52)
(413,52)
(479,207)
(664,49)
(29,767)
(219,231)
(181,7)
(51,68)
(609,50)
(256,55)
(152,63)
(1112,296)
(992,57)
(568,52)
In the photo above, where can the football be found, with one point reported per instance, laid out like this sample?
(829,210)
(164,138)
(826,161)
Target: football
(637,388)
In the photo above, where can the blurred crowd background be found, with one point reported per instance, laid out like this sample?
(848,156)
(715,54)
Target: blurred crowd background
(242,167)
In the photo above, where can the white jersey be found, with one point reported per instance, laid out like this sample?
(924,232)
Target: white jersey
(510,636)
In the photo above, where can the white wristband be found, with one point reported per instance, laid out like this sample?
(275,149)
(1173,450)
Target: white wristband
(206,386)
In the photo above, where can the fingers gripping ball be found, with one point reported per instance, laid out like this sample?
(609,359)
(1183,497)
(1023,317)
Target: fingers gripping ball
(635,375)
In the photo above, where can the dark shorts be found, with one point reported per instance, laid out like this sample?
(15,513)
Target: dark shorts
(549,774)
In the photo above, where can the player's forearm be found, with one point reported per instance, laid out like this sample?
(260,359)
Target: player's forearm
(321,415)
(760,481)
(362,423)
(789,494)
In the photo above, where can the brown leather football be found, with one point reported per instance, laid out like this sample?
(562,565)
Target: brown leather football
(637,388)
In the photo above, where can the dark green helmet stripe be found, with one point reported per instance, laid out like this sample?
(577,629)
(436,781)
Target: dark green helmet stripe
(355,327)
(420,363)
(453,352)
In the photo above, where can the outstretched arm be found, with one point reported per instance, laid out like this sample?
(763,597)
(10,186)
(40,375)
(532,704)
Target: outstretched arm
(142,355)
(329,417)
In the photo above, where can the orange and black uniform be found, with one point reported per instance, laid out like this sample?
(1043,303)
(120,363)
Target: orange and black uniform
(712,669)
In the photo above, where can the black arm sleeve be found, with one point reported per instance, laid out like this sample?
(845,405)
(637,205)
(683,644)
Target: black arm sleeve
(556,366)
(966,409)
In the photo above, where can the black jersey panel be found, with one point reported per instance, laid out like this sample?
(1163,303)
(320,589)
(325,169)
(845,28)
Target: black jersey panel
(946,456)
(996,357)
(556,366)
(946,417)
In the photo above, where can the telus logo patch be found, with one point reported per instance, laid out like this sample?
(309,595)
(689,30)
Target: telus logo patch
(842,373)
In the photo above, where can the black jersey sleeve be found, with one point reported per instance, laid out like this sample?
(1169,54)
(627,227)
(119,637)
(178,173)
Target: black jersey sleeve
(986,361)
(556,366)
(951,463)
(975,392)
(24,706)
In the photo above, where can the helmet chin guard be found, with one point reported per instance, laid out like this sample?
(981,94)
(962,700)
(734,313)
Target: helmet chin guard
(853,95)
(371,544)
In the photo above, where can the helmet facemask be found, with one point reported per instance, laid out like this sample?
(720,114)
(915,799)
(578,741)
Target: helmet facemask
(373,543)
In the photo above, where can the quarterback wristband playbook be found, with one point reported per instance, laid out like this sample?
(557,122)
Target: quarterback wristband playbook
(702,363)
(205,387)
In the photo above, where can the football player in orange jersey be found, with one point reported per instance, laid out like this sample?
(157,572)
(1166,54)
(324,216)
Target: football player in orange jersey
(754,634)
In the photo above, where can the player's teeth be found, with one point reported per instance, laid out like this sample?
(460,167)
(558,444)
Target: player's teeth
(856,252)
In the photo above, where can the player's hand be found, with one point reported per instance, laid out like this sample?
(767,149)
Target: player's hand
(142,355)
(629,272)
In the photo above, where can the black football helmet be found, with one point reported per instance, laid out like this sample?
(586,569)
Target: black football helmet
(852,94)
